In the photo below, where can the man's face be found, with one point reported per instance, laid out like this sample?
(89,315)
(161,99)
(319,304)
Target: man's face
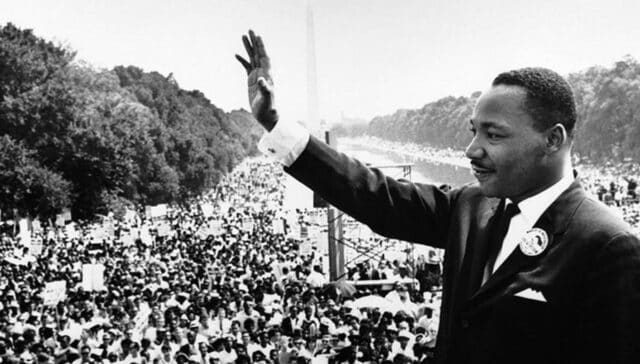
(85,352)
(275,339)
(507,153)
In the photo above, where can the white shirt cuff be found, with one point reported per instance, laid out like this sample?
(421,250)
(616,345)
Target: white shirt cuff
(285,142)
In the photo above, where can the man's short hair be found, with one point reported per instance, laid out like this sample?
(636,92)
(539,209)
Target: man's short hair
(549,99)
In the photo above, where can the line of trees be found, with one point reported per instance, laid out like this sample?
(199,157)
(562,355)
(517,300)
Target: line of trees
(608,103)
(72,136)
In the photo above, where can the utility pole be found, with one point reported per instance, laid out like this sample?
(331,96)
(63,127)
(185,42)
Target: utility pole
(334,231)
(334,219)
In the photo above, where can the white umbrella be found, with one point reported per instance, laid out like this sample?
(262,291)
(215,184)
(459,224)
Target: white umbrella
(374,301)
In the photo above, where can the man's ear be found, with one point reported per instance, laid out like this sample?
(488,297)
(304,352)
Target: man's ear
(556,137)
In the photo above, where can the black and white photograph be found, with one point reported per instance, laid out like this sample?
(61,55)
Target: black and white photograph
(319,182)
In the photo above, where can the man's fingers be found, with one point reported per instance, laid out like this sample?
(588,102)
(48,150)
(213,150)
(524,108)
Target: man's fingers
(255,58)
(248,46)
(260,47)
(252,36)
(245,63)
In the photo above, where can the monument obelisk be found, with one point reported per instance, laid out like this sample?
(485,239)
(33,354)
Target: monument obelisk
(313,120)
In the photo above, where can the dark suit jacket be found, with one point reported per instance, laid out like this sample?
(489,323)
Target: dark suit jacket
(589,273)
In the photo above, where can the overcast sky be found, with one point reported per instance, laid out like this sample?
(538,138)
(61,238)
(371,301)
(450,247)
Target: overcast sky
(373,56)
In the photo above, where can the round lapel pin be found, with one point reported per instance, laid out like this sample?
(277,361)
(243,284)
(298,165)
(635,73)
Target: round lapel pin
(534,242)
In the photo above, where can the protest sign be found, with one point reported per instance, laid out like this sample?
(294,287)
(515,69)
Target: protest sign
(36,247)
(61,219)
(129,215)
(224,207)
(276,268)
(145,236)
(155,212)
(215,228)
(71,232)
(54,292)
(93,277)
(313,232)
(294,231)
(66,215)
(322,242)
(305,248)
(25,233)
(109,230)
(23,225)
(247,224)
(277,225)
(99,234)
(164,230)
(36,226)
(207,209)
(127,239)
(159,210)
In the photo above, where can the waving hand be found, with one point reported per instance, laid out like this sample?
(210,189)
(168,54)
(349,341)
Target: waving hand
(259,80)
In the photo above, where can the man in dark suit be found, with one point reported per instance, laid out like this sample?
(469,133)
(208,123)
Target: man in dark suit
(535,271)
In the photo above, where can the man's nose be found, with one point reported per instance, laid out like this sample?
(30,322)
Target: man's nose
(474,150)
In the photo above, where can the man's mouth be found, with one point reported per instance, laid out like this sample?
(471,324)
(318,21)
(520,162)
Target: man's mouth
(481,172)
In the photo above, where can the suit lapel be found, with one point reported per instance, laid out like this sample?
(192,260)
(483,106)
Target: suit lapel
(482,243)
(477,246)
(554,222)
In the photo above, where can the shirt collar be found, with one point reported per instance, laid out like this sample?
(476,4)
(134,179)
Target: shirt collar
(533,207)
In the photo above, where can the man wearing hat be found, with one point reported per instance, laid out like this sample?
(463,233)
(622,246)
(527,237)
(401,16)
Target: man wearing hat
(535,271)
(402,299)
(403,345)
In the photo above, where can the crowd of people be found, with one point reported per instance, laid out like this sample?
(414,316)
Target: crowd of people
(221,279)
(616,186)
(230,277)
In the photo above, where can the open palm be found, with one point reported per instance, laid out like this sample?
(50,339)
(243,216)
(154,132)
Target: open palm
(259,82)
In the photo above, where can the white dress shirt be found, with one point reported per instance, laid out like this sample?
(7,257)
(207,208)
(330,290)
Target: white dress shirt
(530,211)
(285,142)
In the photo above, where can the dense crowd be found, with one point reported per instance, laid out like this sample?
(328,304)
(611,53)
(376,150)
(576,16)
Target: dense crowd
(230,277)
(222,279)
(616,186)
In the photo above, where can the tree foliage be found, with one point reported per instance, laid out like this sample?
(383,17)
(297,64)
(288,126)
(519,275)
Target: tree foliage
(25,185)
(107,136)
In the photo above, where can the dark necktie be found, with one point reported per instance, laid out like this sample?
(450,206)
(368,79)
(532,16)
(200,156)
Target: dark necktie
(497,237)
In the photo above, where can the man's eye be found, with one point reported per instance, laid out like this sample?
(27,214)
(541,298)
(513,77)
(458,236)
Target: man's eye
(493,136)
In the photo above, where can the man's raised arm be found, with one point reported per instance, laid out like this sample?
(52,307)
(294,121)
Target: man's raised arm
(398,209)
